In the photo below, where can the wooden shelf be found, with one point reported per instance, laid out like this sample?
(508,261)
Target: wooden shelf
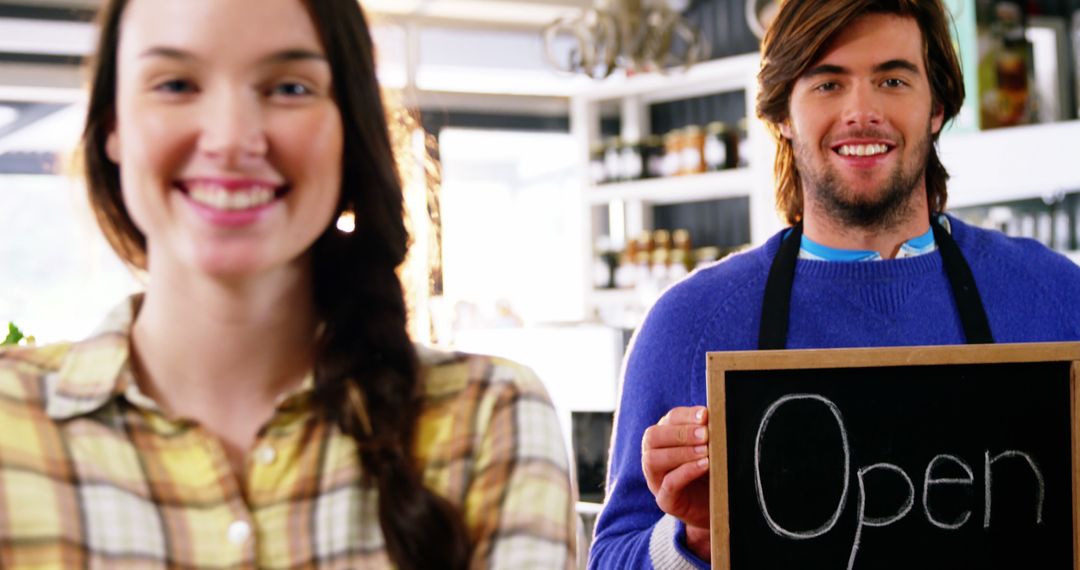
(693,188)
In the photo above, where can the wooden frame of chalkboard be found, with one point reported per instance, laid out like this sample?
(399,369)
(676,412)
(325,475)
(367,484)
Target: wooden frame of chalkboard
(735,375)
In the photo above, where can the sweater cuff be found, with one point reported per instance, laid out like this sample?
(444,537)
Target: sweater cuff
(667,547)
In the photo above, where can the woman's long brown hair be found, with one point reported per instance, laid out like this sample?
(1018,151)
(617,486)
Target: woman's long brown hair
(366,370)
(796,39)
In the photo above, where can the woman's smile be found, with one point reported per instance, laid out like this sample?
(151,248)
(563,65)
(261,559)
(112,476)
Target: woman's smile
(231,202)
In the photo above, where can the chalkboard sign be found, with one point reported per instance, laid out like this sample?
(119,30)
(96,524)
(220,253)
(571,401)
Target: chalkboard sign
(915,457)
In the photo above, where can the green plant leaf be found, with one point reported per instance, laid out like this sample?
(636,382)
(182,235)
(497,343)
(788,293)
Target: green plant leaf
(14,335)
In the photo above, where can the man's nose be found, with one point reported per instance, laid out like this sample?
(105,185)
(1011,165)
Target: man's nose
(233,130)
(863,107)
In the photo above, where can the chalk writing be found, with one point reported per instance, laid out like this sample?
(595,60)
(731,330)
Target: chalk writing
(929,480)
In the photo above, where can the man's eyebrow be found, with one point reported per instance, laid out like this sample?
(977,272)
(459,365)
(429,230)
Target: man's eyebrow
(897,64)
(891,65)
(825,69)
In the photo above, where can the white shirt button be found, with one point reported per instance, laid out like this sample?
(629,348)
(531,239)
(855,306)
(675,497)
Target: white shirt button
(239,532)
(265,455)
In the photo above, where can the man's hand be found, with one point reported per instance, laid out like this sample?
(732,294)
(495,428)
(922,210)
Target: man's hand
(675,459)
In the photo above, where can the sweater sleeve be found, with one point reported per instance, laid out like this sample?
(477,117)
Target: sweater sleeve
(632,532)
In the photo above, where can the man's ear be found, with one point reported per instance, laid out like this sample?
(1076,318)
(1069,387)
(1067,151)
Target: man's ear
(112,146)
(785,129)
(937,118)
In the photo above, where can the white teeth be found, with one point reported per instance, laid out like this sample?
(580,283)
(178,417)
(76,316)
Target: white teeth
(219,198)
(863,149)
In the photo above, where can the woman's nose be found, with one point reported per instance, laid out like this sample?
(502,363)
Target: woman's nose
(233,131)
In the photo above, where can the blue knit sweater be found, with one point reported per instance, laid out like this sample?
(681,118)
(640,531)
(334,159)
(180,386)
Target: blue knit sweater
(1030,293)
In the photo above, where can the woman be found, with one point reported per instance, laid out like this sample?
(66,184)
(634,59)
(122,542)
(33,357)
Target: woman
(261,405)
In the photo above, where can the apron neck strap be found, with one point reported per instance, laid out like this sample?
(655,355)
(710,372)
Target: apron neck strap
(776,306)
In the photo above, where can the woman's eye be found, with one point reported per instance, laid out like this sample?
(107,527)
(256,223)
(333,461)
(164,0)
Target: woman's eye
(292,89)
(175,86)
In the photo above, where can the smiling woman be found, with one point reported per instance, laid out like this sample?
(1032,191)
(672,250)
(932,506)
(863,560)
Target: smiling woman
(261,404)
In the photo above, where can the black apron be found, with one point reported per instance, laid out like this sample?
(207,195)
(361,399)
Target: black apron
(777,303)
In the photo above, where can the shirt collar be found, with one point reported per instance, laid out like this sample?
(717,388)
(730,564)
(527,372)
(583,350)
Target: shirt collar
(920,245)
(97,369)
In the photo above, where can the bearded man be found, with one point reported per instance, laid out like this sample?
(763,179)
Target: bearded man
(856,93)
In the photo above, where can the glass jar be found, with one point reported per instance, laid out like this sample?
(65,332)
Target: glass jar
(632,165)
(693,150)
(672,162)
(613,159)
(742,144)
(597,172)
(652,156)
(716,143)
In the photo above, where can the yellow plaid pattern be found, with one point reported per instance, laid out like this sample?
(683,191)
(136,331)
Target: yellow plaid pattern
(94,475)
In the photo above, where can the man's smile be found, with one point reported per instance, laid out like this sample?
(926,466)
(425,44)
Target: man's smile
(862,149)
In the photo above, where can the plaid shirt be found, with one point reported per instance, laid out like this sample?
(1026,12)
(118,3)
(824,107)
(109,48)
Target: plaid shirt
(94,475)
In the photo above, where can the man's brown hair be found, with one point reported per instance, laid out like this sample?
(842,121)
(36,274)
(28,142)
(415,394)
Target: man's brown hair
(798,37)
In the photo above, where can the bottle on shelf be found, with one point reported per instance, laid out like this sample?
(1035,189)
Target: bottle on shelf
(613,159)
(661,239)
(1014,65)
(658,269)
(597,172)
(693,150)
(681,244)
(741,144)
(661,258)
(652,156)
(716,146)
(680,254)
(1061,228)
(626,271)
(643,261)
(672,161)
(703,256)
(632,163)
(1005,96)
(605,264)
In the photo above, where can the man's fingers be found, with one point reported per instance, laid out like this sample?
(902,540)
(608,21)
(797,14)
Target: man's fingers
(658,463)
(679,439)
(661,461)
(661,436)
(685,415)
(671,488)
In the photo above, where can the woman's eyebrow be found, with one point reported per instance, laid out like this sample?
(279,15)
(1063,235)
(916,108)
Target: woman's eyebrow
(296,54)
(283,56)
(169,53)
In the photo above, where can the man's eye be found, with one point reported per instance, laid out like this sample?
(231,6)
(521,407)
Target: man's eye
(827,86)
(894,82)
(175,86)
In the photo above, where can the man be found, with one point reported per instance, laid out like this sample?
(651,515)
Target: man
(856,93)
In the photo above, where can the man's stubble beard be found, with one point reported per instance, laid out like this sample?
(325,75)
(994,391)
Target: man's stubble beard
(877,211)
